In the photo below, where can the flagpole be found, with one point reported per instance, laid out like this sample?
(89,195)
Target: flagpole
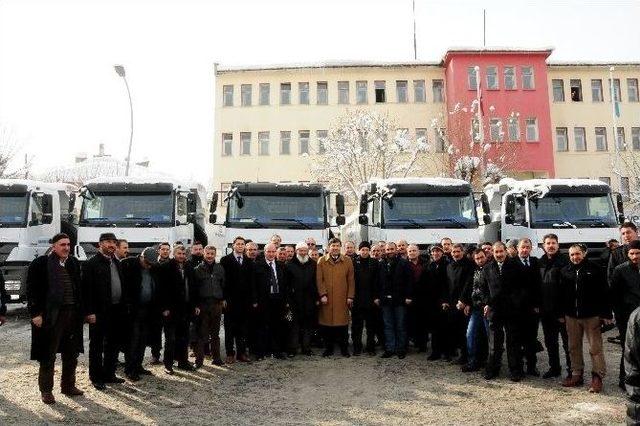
(616,162)
(415,44)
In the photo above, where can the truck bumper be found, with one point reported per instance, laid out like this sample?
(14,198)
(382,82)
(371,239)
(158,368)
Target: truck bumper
(15,281)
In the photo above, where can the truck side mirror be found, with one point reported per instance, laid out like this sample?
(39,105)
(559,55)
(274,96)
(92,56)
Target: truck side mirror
(510,205)
(340,204)
(486,219)
(213,218)
(508,219)
(363,219)
(47,209)
(192,203)
(72,202)
(214,201)
(340,220)
(484,200)
(619,204)
(364,205)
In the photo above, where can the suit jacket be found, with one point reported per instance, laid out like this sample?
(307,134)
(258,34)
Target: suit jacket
(521,286)
(176,289)
(96,284)
(4,297)
(238,282)
(261,293)
(132,280)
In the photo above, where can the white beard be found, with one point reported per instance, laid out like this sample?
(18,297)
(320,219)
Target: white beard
(302,259)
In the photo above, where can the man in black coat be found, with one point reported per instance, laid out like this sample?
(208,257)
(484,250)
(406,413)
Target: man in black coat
(4,299)
(303,293)
(238,272)
(270,303)
(459,275)
(140,278)
(394,295)
(364,311)
(54,297)
(106,311)
(628,233)
(550,265)
(176,306)
(435,282)
(522,285)
(625,294)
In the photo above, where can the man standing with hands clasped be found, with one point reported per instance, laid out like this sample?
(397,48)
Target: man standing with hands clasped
(54,300)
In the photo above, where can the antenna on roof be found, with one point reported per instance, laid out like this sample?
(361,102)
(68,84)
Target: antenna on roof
(484,27)
(415,46)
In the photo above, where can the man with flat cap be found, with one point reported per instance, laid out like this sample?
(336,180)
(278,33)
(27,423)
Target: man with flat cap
(105,310)
(54,301)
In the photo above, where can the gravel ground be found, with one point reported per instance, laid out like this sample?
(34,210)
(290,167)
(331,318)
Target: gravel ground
(362,390)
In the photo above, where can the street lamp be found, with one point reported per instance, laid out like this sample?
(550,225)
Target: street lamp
(121,72)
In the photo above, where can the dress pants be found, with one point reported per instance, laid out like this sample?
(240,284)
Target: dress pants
(61,340)
(106,337)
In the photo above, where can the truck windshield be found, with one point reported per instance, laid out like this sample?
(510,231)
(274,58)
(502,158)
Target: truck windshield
(430,211)
(305,211)
(13,210)
(128,209)
(563,211)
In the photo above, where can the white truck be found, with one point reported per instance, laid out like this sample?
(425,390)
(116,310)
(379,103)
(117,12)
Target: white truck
(420,210)
(577,210)
(294,211)
(31,212)
(144,211)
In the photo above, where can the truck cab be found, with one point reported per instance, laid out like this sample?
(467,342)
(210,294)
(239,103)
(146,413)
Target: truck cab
(257,211)
(31,212)
(145,212)
(577,210)
(421,210)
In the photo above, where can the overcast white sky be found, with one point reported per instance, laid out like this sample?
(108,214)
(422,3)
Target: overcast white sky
(60,94)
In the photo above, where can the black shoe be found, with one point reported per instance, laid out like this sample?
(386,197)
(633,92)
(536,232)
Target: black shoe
(169,370)
(433,357)
(357,352)
(99,386)
(260,358)
(197,365)
(533,372)
(402,355)
(144,372)
(386,354)
(327,353)
(515,377)
(490,374)
(469,368)
(345,353)
(155,360)
(446,358)
(371,352)
(461,360)
(133,377)
(551,373)
(217,362)
(291,355)
(114,379)
(186,366)
(307,352)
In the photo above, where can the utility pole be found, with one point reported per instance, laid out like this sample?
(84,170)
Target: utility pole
(415,43)
(121,72)
(484,27)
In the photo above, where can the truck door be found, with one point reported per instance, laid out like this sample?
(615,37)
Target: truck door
(183,230)
(41,225)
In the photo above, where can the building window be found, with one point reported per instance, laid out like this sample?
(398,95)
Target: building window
(303,93)
(227,91)
(576,90)
(419,93)
(380,92)
(495,130)
(321,135)
(438,91)
(514,129)
(361,92)
(632,88)
(558,90)
(510,78)
(285,143)
(616,89)
(245,143)
(303,140)
(596,90)
(263,143)
(227,144)
(245,94)
(580,138)
(622,144)
(471,78)
(601,139)
(624,188)
(285,93)
(475,130)
(421,135)
(401,91)
(635,138)
(322,93)
(492,78)
(265,93)
(562,142)
(440,140)
(528,81)
(343,92)
(532,129)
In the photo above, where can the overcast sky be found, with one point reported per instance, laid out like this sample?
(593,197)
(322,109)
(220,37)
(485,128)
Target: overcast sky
(60,95)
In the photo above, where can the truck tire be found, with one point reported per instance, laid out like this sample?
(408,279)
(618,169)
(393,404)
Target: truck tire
(199,234)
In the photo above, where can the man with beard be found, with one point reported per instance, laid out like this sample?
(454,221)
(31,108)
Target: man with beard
(55,305)
(238,271)
(196,257)
(447,247)
(122,250)
(551,263)
(364,311)
(394,295)
(301,277)
(436,282)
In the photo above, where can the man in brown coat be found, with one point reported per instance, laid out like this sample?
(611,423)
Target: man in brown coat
(336,287)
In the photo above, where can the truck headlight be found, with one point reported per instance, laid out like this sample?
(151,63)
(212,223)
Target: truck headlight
(12,285)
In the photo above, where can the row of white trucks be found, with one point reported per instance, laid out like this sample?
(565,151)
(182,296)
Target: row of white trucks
(421,210)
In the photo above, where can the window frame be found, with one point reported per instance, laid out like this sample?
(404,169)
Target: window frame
(496,79)
(225,143)
(302,90)
(603,135)
(225,93)
(416,91)
(324,99)
(514,77)
(282,93)
(342,91)
(440,99)
(243,92)
(553,90)
(307,142)
(400,97)
(566,139)
(359,91)
(284,133)
(242,144)
(584,148)
(533,77)
(262,90)
(537,130)
(601,93)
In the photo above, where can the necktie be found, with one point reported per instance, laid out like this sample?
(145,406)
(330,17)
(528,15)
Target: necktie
(500,268)
(240,260)
(526,262)
(274,279)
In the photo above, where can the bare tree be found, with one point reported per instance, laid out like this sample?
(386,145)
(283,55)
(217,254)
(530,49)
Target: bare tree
(366,144)
(630,162)
(10,165)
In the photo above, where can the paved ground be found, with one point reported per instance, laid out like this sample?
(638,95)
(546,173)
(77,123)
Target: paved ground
(363,390)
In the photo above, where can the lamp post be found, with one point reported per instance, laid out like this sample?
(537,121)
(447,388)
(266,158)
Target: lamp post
(121,72)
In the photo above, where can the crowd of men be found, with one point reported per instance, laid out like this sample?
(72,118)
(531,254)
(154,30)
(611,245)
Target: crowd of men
(468,302)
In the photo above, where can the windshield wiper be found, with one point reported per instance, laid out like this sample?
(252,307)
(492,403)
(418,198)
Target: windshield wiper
(292,220)
(410,221)
(235,219)
(556,223)
(594,222)
(449,219)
